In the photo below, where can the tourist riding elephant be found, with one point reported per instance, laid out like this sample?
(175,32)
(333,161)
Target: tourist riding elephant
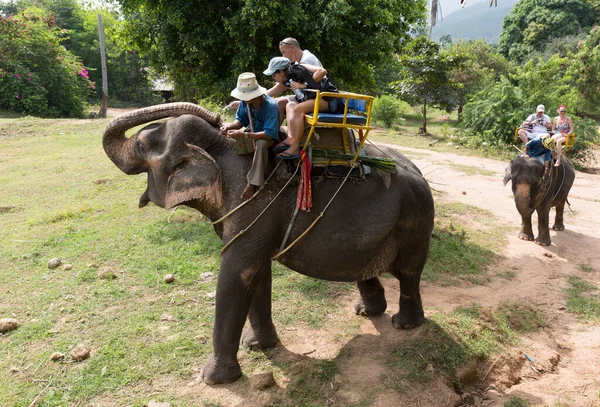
(379,224)
(533,192)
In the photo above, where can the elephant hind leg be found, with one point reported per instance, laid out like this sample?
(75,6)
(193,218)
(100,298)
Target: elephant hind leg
(408,271)
(558,220)
(372,298)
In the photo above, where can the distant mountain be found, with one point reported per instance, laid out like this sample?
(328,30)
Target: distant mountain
(479,21)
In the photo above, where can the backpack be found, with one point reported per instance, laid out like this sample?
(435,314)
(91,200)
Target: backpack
(298,73)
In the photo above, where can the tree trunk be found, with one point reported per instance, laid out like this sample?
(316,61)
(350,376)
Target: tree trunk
(424,116)
(104,103)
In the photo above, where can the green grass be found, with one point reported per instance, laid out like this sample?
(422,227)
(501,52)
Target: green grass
(583,300)
(463,244)
(516,402)
(141,330)
(449,340)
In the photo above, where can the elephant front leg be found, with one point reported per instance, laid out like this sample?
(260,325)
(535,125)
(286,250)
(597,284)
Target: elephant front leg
(526,232)
(543,238)
(234,294)
(372,298)
(261,333)
(558,220)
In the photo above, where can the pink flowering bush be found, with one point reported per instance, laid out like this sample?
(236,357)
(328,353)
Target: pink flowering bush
(38,75)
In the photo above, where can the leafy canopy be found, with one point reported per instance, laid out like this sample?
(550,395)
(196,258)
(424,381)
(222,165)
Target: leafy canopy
(204,48)
(533,23)
(37,74)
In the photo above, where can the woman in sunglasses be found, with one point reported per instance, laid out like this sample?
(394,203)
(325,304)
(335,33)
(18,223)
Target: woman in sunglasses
(561,126)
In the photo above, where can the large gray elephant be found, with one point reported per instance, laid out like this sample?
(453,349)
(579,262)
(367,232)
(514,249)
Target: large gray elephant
(380,224)
(533,192)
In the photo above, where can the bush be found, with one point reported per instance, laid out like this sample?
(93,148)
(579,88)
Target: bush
(388,110)
(38,75)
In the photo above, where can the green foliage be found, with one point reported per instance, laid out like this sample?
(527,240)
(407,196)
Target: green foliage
(584,71)
(479,66)
(37,74)
(494,113)
(127,72)
(388,110)
(203,52)
(533,23)
(425,77)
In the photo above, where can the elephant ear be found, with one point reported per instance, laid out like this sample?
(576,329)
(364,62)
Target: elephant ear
(508,174)
(197,178)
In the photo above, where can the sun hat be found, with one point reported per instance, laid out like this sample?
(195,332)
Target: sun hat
(276,64)
(247,87)
(548,142)
(540,108)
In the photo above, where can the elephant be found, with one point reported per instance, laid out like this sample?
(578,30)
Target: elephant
(535,192)
(380,223)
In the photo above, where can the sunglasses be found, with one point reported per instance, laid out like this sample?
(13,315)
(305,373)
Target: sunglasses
(562,111)
(285,43)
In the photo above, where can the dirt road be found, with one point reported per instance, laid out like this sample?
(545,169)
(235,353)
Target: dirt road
(568,349)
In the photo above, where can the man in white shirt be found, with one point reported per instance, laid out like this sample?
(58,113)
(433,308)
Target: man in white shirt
(289,48)
(537,125)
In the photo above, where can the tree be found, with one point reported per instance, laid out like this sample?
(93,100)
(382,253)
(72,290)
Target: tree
(533,23)
(37,74)
(495,112)
(479,66)
(204,50)
(585,71)
(426,76)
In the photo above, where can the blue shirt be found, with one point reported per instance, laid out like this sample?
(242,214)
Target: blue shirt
(537,149)
(265,118)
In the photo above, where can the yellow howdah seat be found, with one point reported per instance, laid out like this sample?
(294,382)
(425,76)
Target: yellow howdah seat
(334,131)
(569,142)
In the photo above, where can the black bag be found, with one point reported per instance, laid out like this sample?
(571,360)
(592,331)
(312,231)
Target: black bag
(298,73)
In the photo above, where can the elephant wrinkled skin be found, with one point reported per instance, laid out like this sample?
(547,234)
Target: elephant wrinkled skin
(532,194)
(380,224)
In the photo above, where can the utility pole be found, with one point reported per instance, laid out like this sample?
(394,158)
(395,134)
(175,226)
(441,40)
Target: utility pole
(104,103)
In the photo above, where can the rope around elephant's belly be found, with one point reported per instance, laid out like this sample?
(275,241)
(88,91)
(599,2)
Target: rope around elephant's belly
(263,211)
(231,212)
(281,253)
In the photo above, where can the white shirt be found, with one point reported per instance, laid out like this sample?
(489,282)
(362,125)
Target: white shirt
(309,58)
(539,127)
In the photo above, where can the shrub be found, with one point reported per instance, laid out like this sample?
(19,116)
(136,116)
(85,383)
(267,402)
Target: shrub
(38,75)
(388,110)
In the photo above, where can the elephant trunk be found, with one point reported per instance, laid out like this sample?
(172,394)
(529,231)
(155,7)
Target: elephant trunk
(523,200)
(120,149)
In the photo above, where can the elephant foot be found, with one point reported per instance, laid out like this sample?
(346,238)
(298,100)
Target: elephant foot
(525,236)
(371,308)
(543,242)
(265,339)
(558,226)
(214,373)
(403,321)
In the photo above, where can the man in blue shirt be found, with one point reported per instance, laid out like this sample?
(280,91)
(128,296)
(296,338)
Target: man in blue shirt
(538,149)
(259,114)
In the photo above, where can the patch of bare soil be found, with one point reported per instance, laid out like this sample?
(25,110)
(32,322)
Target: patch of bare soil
(559,365)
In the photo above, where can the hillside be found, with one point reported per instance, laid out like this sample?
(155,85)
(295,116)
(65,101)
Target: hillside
(474,22)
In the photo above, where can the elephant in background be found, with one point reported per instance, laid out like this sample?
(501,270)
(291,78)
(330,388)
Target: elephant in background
(534,192)
(379,224)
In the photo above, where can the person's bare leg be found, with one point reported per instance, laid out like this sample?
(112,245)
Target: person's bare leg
(559,143)
(523,136)
(296,123)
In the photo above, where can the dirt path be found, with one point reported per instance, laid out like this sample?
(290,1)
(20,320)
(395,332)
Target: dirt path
(541,276)
(568,351)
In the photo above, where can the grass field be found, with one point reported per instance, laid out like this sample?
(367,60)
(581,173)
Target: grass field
(61,197)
